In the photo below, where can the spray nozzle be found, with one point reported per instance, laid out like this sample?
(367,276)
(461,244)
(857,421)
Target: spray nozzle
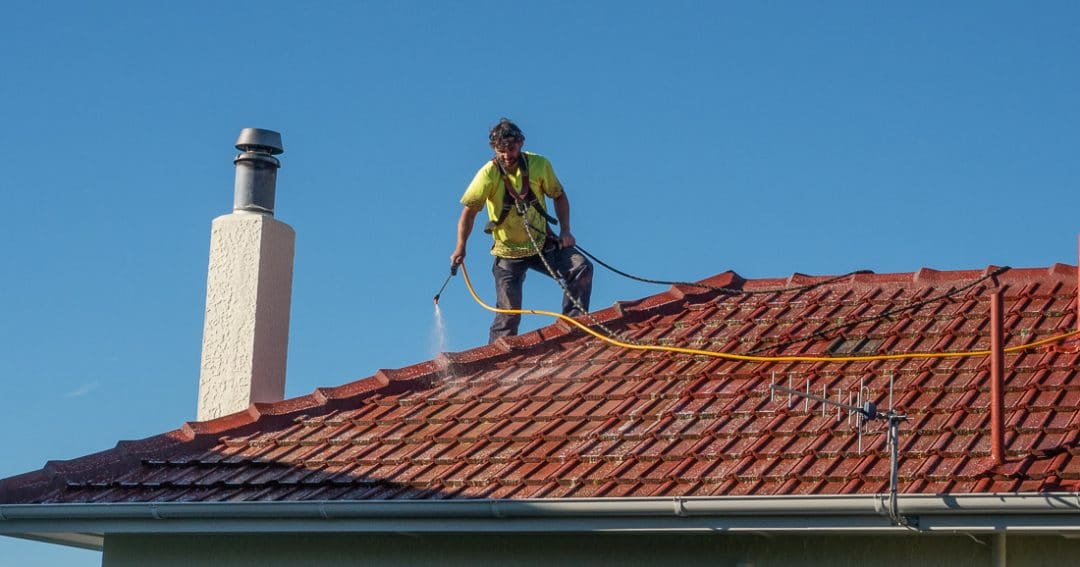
(453,272)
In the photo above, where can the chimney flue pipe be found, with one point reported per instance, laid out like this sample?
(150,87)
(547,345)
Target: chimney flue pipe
(256,170)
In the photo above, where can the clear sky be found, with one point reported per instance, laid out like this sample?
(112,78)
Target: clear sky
(693,138)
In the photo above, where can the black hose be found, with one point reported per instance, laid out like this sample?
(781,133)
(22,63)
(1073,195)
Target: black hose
(725,290)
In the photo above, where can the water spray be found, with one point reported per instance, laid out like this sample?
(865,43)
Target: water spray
(453,272)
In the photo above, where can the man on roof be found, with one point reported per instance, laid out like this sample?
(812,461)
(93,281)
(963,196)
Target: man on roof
(514,185)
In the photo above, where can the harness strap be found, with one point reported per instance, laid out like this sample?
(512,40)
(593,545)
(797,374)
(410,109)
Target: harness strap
(521,202)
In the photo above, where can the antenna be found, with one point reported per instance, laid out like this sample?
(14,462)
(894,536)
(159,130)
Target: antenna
(862,411)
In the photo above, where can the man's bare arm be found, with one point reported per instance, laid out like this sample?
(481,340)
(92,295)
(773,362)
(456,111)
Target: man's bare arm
(464,229)
(562,212)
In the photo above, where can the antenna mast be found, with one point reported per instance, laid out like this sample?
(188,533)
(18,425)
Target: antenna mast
(865,411)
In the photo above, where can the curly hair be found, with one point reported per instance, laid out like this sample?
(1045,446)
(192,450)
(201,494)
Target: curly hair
(505,132)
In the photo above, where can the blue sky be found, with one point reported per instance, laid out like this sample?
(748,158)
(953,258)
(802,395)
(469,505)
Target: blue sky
(692,137)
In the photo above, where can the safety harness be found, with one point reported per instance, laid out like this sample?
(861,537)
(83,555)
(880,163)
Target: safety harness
(512,200)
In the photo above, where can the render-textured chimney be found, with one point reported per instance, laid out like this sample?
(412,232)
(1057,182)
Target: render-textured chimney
(248,288)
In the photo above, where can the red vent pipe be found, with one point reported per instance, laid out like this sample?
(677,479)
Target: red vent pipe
(997,378)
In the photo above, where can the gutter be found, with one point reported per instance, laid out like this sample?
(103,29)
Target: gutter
(1053,513)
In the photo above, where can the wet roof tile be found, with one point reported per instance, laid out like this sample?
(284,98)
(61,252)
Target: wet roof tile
(558,414)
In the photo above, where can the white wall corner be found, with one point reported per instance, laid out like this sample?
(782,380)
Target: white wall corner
(248,297)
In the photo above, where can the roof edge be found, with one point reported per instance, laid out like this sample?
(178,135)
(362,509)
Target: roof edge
(57,472)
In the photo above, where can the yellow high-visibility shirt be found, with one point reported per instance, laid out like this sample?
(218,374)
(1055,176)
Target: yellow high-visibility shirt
(511,238)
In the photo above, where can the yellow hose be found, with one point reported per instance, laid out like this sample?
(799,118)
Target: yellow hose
(751,358)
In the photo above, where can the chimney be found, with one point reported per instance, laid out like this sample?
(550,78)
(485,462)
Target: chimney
(248,288)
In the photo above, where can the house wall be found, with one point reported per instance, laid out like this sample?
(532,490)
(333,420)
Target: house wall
(547,550)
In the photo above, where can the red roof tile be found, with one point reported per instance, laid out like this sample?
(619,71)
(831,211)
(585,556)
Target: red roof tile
(557,414)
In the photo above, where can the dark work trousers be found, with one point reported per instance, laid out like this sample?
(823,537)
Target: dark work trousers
(574,268)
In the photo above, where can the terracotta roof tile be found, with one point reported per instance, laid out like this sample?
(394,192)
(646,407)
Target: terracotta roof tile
(557,414)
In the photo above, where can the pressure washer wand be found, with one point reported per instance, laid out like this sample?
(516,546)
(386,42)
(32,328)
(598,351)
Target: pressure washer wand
(453,272)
